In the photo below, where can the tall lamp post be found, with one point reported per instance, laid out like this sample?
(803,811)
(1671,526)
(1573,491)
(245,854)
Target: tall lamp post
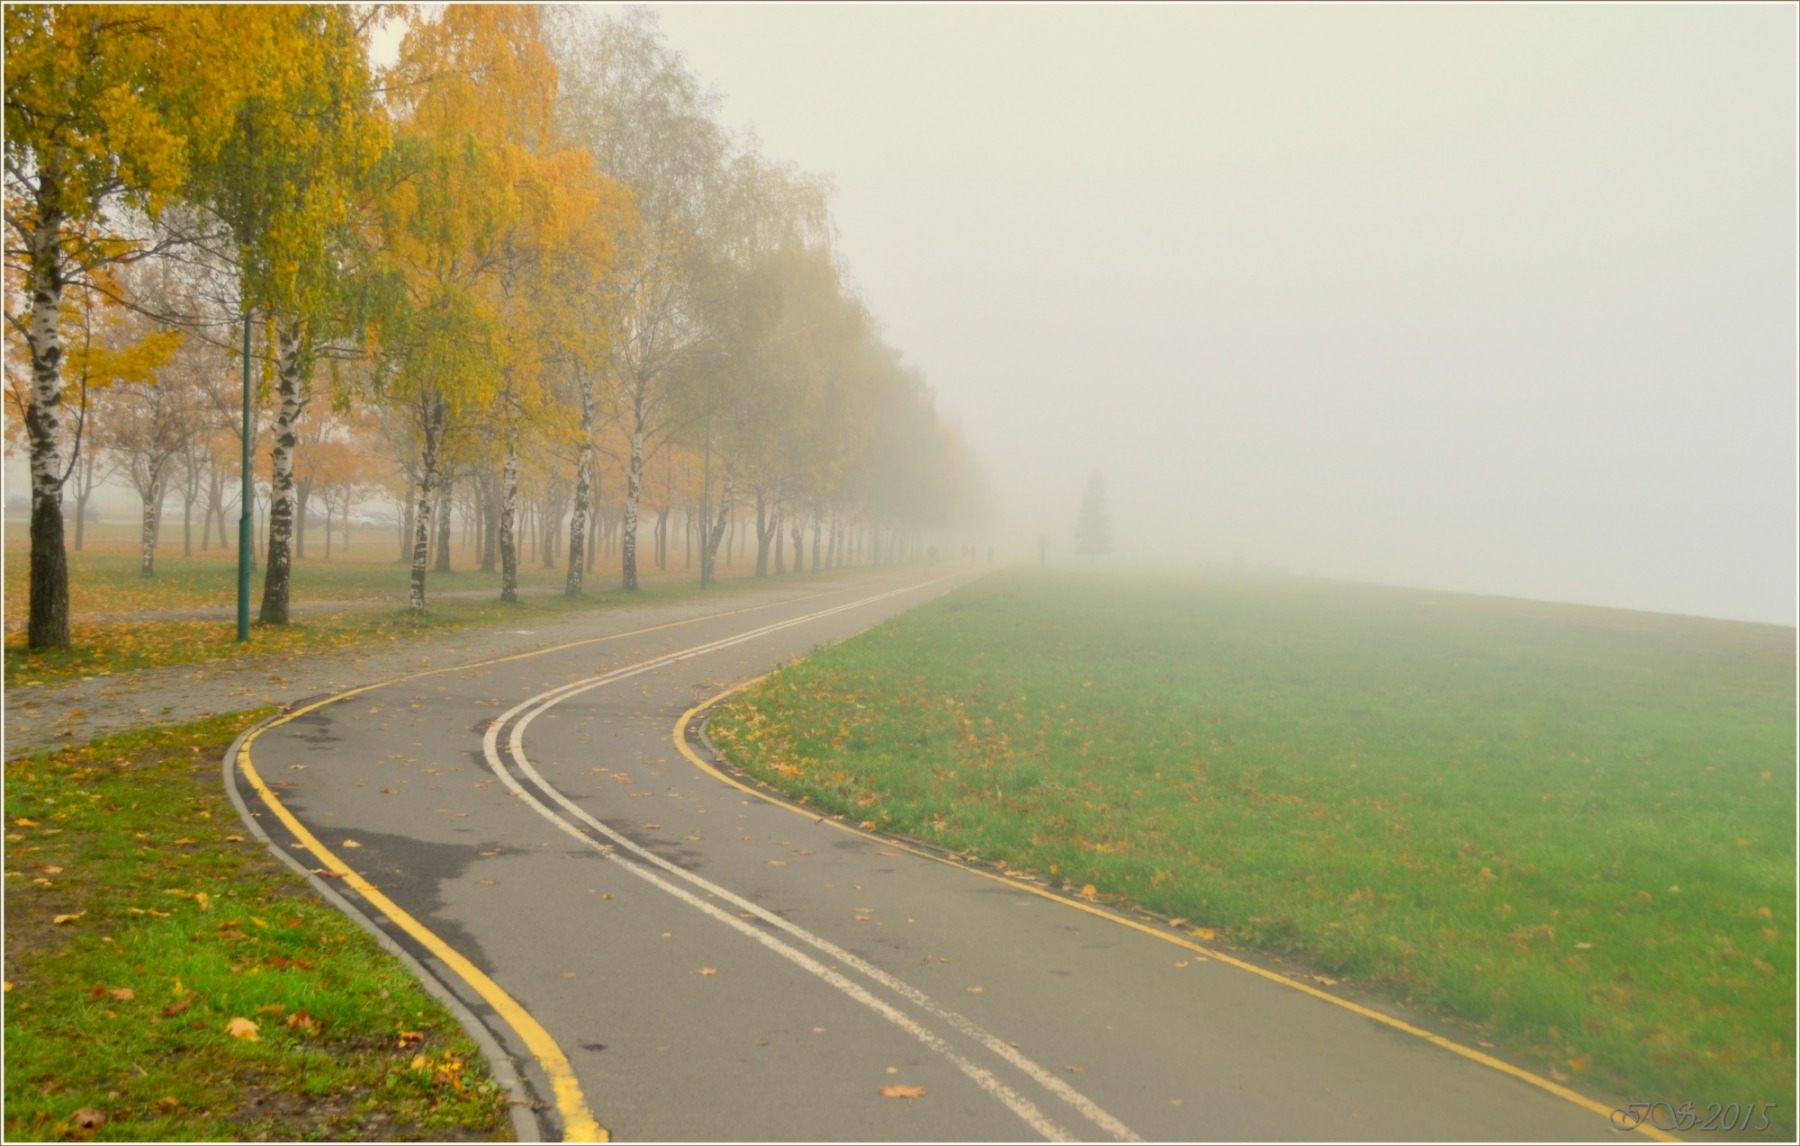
(244,538)
(705,507)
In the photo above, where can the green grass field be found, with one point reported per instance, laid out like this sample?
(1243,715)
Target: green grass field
(104,580)
(141,924)
(1573,827)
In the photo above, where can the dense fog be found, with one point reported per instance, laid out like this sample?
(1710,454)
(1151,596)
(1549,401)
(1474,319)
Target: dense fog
(1495,299)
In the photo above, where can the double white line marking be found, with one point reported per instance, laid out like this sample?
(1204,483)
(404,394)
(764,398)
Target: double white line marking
(668,877)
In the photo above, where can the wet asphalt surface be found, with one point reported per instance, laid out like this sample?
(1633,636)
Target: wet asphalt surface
(718,966)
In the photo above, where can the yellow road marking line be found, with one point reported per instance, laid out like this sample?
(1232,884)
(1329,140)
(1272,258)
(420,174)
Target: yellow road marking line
(579,1123)
(543,702)
(1457,1048)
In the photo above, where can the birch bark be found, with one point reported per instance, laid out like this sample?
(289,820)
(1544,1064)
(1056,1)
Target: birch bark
(634,484)
(48,626)
(277,578)
(151,525)
(432,424)
(509,518)
(578,519)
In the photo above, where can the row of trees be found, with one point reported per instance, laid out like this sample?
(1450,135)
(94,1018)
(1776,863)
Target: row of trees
(523,252)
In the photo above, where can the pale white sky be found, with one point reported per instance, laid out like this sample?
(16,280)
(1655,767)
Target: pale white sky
(1497,298)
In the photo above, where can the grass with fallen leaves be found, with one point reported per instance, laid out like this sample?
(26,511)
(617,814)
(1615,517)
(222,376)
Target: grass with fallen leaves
(167,980)
(1574,827)
(104,582)
(123,647)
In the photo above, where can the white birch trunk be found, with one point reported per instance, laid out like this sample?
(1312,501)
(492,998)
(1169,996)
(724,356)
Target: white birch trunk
(284,438)
(634,483)
(509,517)
(151,525)
(48,626)
(425,501)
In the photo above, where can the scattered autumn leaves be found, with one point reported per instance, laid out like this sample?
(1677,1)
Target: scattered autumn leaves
(140,1005)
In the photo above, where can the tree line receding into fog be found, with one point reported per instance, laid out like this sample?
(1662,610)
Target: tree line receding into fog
(522,269)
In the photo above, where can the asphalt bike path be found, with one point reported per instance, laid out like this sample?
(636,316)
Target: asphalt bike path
(666,953)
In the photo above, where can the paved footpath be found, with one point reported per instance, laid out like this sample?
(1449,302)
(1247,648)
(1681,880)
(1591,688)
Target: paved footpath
(44,715)
(666,953)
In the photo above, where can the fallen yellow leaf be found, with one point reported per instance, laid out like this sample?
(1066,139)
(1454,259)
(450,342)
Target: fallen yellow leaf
(241,1028)
(1089,891)
(903,1092)
(69,918)
(352,844)
(708,971)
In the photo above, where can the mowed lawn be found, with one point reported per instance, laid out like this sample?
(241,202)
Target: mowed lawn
(104,581)
(1572,826)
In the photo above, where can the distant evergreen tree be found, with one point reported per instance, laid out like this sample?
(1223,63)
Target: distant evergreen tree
(1091,536)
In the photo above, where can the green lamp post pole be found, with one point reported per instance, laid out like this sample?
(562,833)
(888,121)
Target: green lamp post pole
(705,508)
(244,539)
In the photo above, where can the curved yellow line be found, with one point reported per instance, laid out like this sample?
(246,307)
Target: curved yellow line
(1470,1053)
(578,1121)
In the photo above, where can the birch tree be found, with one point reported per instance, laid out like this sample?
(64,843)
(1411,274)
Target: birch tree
(288,182)
(478,91)
(105,108)
(630,101)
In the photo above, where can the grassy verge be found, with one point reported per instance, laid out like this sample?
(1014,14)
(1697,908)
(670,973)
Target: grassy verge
(104,584)
(1574,827)
(123,647)
(141,925)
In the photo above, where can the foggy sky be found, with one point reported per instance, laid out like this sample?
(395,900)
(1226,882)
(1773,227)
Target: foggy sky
(1494,299)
